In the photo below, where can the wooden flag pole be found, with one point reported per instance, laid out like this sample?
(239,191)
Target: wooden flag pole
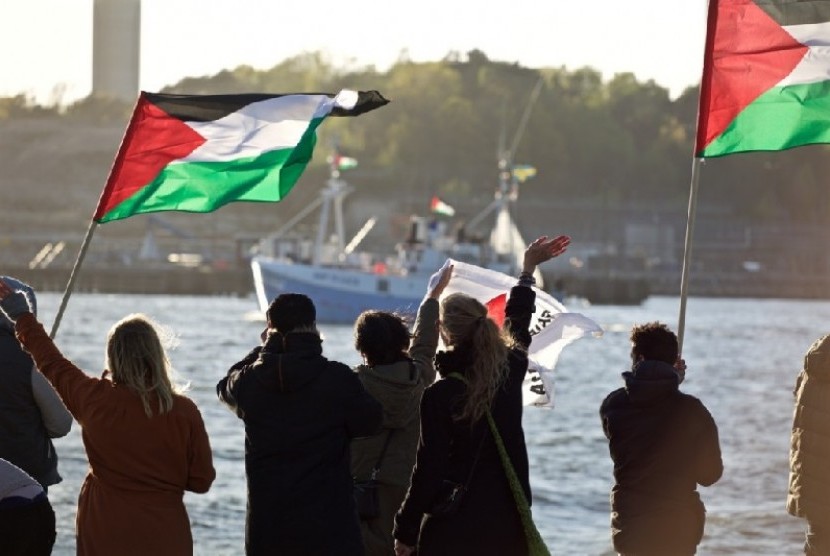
(687,250)
(72,277)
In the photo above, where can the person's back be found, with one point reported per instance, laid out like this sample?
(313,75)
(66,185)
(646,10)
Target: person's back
(31,413)
(663,443)
(146,443)
(300,411)
(397,370)
(809,482)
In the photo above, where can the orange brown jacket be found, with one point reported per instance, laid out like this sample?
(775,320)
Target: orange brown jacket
(131,502)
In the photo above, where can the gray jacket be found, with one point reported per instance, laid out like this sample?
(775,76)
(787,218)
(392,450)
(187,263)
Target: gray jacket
(398,387)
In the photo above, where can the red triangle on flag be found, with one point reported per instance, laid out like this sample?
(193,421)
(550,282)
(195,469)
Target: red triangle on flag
(747,53)
(496,307)
(152,141)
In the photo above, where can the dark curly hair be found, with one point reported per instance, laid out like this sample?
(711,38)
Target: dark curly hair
(381,337)
(654,341)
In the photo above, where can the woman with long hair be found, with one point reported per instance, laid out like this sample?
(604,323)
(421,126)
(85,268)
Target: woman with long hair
(145,441)
(482,370)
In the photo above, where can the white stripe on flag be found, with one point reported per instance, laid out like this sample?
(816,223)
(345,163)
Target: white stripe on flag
(264,126)
(553,327)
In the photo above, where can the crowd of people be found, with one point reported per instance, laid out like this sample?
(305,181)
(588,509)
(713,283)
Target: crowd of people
(415,451)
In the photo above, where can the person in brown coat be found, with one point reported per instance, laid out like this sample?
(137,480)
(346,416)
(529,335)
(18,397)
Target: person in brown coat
(809,489)
(146,443)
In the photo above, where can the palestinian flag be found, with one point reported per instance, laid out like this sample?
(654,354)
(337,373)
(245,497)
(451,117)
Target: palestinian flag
(438,206)
(766,77)
(196,153)
(342,163)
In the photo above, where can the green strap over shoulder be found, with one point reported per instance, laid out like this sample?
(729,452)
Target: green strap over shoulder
(535,544)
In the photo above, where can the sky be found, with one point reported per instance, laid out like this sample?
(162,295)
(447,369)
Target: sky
(47,44)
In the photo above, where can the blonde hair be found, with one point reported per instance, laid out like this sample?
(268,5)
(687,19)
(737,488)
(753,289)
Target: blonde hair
(137,359)
(466,327)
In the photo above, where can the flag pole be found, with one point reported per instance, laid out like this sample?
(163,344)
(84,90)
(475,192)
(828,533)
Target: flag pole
(687,250)
(73,276)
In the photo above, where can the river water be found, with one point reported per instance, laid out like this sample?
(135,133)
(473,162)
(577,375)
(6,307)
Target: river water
(742,355)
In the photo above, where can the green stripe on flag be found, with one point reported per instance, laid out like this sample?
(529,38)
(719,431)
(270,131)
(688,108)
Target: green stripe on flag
(781,118)
(207,186)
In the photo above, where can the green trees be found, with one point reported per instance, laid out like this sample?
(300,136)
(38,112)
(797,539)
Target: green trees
(593,141)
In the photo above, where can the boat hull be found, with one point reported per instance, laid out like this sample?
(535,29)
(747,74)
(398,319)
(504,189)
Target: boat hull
(339,294)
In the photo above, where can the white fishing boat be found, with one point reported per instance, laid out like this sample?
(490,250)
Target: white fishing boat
(344,281)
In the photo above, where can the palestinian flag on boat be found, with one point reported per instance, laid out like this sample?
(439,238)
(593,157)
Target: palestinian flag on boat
(766,76)
(438,206)
(196,153)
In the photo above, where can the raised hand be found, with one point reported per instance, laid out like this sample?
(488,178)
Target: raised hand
(439,281)
(544,249)
(12,303)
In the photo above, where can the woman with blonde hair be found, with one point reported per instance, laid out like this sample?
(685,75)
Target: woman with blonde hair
(459,482)
(145,441)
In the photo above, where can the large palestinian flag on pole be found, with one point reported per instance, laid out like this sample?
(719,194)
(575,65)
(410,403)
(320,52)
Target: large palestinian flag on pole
(196,153)
(766,76)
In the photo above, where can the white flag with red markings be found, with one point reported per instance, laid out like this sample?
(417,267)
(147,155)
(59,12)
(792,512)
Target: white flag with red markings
(552,326)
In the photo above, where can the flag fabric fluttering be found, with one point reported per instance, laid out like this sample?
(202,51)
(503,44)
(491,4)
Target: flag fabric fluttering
(766,77)
(341,162)
(523,172)
(197,153)
(553,327)
(438,206)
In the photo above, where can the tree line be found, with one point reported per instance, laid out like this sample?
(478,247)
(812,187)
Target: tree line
(616,142)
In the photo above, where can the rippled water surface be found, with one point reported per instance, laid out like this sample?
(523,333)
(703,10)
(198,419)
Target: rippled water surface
(742,355)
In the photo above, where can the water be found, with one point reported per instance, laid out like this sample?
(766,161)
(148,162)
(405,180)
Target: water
(742,357)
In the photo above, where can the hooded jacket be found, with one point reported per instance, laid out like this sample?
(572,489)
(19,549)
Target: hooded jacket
(663,444)
(398,387)
(300,412)
(31,412)
(809,485)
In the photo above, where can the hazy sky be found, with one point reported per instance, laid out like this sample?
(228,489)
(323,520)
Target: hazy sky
(48,43)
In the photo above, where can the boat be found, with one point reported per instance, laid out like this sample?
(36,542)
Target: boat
(343,281)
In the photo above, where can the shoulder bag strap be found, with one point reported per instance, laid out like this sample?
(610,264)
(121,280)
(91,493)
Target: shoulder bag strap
(535,542)
(376,468)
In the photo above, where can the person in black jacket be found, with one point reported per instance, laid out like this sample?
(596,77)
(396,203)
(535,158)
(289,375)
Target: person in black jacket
(301,412)
(663,443)
(456,443)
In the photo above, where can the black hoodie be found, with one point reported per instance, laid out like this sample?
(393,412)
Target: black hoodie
(300,412)
(663,443)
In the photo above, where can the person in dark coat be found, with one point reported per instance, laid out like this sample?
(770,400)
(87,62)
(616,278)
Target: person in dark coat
(456,443)
(31,412)
(664,443)
(301,412)
(809,485)
(397,369)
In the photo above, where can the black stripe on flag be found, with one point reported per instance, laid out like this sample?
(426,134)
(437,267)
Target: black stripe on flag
(796,12)
(207,108)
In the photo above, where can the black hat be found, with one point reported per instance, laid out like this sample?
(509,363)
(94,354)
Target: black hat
(291,310)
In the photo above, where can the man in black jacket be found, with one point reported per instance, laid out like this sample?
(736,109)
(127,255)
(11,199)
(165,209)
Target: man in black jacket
(663,443)
(300,411)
